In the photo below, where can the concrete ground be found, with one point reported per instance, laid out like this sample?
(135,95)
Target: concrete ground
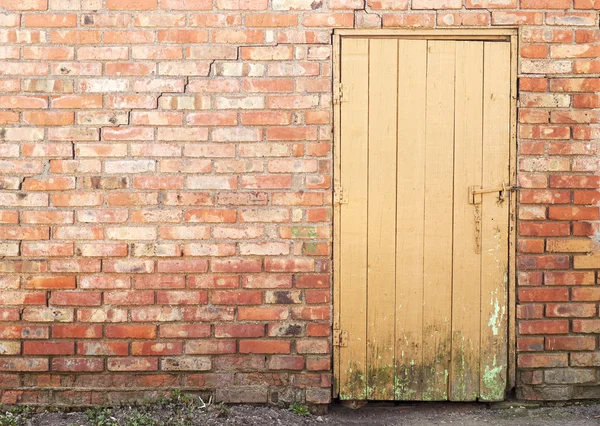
(376,414)
(468,414)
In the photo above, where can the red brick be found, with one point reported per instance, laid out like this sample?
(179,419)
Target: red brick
(262,314)
(239,330)
(50,20)
(103,348)
(543,294)
(132,364)
(130,332)
(23,332)
(131,5)
(139,37)
(543,262)
(558,181)
(587,326)
(575,85)
(542,360)
(318,364)
(186,4)
(188,331)
(279,362)
(264,346)
(569,278)
(317,296)
(534,51)
(72,364)
(573,213)
(77,101)
(25,5)
(310,313)
(48,348)
(570,343)
(23,364)
(179,266)
(129,298)
(156,348)
(318,330)
(526,278)
(210,347)
(236,297)
(544,327)
(181,297)
(585,294)
(546,4)
(87,331)
(530,246)
(236,266)
(530,344)
(74,37)
(570,310)
(156,314)
(544,229)
(62,282)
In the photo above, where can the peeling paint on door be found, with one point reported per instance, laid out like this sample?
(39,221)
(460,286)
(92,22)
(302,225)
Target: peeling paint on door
(423,281)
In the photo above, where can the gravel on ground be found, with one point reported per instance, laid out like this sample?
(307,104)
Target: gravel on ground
(191,412)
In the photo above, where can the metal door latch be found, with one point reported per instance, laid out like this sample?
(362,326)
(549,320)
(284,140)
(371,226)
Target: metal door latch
(475,192)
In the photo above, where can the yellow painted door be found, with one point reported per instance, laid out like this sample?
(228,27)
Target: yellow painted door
(421,265)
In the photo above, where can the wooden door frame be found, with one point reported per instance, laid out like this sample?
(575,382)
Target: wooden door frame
(475,34)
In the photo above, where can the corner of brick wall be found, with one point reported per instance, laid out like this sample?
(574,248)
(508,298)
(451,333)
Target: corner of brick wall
(165,175)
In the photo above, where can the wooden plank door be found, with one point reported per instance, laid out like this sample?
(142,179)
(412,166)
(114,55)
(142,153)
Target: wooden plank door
(420,266)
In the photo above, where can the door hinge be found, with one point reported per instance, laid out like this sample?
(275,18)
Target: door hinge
(340,338)
(338,93)
(340,196)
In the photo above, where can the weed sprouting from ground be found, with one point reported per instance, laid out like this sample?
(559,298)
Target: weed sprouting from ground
(299,409)
(138,418)
(101,417)
(180,409)
(15,416)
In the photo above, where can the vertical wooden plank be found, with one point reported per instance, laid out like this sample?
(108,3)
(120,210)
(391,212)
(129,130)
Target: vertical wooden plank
(412,87)
(495,221)
(512,236)
(353,217)
(464,367)
(437,265)
(381,217)
(336,213)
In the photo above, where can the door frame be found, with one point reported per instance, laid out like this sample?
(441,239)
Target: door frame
(476,34)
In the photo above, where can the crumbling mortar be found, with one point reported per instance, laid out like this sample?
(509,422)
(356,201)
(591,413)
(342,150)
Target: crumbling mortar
(157,101)
(369,11)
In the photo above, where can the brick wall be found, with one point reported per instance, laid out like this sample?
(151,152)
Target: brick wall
(165,179)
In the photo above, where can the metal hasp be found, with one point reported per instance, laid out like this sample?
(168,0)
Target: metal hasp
(476,191)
